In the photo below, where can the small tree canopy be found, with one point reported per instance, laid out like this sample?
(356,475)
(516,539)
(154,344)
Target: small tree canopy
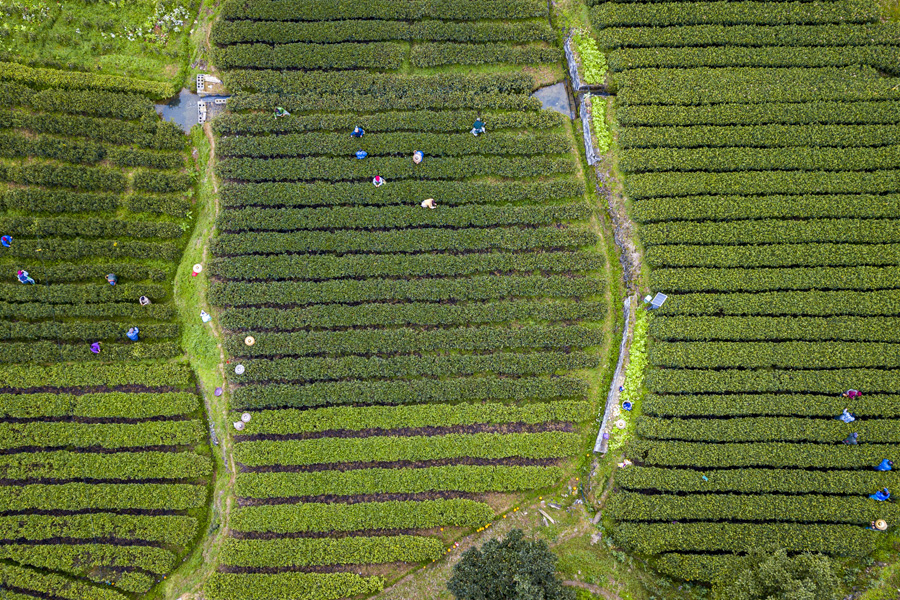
(509,569)
(777,576)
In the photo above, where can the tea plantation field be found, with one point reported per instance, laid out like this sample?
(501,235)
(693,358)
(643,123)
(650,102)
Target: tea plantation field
(103,481)
(759,146)
(409,367)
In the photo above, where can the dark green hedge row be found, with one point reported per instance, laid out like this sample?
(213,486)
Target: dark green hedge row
(675,381)
(774,255)
(259,586)
(388,87)
(400,217)
(15,145)
(150,132)
(450,192)
(463,478)
(53,201)
(640,160)
(398,367)
(71,80)
(756,481)
(667,14)
(843,34)
(754,85)
(648,185)
(293,518)
(301,552)
(130,157)
(414,10)
(735,507)
(771,231)
(76,177)
(102,435)
(550,444)
(767,429)
(63,272)
(80,294)
(123,106)
(699,567)
(401,143)
(408,392)
(814,278)
(883,58)
(441,54)
(371,55)
(48,352)
(653,538)
(161,183)
(409,240)
(18,330)
(52,585)
(80,559)
(408,340)
(33,200)
(366,265)
(813,303)
(167,529)
(727,208)
(176,205)
(71,250)
(114,310)
(89,465)
(817,112)
(411,313)
(282,32)
(95,375)
(104,496)
(135,405)
(432,290)
(88,227)
(760,136)
(869,406)
(764,454)
(355,418)
(423,98)
(417,121)
(874,329)
(343,169)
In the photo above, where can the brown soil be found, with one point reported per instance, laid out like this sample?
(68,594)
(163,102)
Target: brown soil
(414,431)
(330,498)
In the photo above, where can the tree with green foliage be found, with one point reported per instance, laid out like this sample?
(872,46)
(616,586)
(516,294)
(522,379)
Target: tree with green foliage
(512,568)
(773,575)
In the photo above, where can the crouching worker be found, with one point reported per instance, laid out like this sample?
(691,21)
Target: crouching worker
(846,417)
(24,278)
(429,203)
(112,279)
(852,394)
(851,439)
(881,495)
(885,465)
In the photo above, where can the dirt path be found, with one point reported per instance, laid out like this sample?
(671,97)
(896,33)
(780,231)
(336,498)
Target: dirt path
(209,367)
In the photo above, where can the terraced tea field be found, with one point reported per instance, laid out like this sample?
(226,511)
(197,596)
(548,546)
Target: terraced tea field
(102,477)
(409,368)
(759,145)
